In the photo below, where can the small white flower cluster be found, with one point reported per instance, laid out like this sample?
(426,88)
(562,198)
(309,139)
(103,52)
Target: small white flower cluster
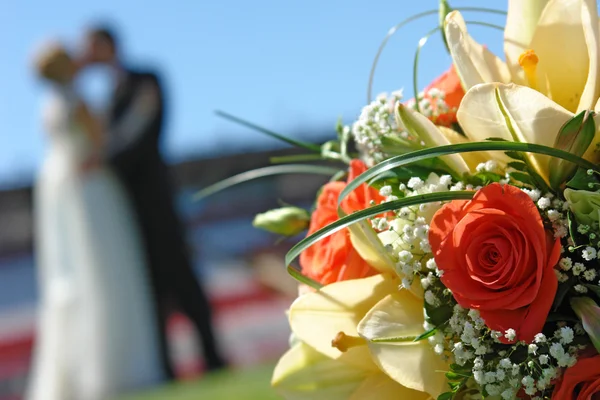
(551,209)
(488,166)
(432,104)
(376,121)
(532,367)
(406,235)
(580,263)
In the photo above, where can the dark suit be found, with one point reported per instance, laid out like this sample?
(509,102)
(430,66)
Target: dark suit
(135,156)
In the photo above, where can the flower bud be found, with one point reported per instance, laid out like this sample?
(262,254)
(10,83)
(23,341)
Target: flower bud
(575,136)
(588,311)
(286,221)
(584,204)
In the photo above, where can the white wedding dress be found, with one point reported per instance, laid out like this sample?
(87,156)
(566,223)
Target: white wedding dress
(96,334)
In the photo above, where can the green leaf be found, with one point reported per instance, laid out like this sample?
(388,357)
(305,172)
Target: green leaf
(454,386)
(561,292)
(572,227)
(295,158)
(262,172)
(446,396)
(293,142)
(455,376)
(581,180)
(594,288)
(483,178)
(539,182)
(297,275)
(426,334)
(575,136)
(461,368)
(371,212)
(424,154)
(521,177)
(519,166)
(515,155)
(438,315)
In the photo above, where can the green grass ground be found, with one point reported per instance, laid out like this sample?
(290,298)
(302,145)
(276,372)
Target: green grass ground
(248,384)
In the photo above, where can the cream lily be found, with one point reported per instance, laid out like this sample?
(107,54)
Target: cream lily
(515,113)
(304,373)
(563,63)
(328,320)
(432,135)
(389,329)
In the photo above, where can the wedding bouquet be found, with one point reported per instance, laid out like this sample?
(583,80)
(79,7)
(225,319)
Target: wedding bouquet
(457,256)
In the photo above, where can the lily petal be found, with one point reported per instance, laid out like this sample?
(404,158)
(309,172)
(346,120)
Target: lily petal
(368,245)
(561,46)
(474,63)
(421,127)
(381,387)
(589,19)
(472,159)
(400,315)
(304,373)
(316,318)
(515,113)
(521,21)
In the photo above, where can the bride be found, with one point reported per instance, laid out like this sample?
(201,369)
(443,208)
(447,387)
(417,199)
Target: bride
(96,333)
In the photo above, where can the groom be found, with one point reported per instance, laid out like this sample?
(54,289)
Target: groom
(134,129)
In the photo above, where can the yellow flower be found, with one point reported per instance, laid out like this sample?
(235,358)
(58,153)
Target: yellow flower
(339,329)
(304,373)
(516,113)
(551,46)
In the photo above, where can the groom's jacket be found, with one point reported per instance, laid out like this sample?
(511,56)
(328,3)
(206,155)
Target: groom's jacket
(135,126)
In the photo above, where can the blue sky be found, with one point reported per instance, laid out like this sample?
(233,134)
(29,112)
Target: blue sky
(291,66)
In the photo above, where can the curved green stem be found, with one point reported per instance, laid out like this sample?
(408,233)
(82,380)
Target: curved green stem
(500,28)
(391,33)
(412,18)
(422,43)
(262,172)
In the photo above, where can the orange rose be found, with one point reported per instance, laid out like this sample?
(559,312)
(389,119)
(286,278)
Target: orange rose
(449,84)
(334,258)
(497,257)
(580,382)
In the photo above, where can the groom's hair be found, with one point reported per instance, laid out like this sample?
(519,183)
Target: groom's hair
(105,33)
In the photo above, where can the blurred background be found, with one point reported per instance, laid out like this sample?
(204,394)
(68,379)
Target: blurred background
(294,67)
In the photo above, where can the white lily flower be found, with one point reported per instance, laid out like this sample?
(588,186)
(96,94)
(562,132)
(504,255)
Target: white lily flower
(551,46)
(400,315)
(327,321)
(304,373)
(515,113)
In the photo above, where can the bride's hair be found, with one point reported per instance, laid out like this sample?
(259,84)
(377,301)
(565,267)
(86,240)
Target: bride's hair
(51,61)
